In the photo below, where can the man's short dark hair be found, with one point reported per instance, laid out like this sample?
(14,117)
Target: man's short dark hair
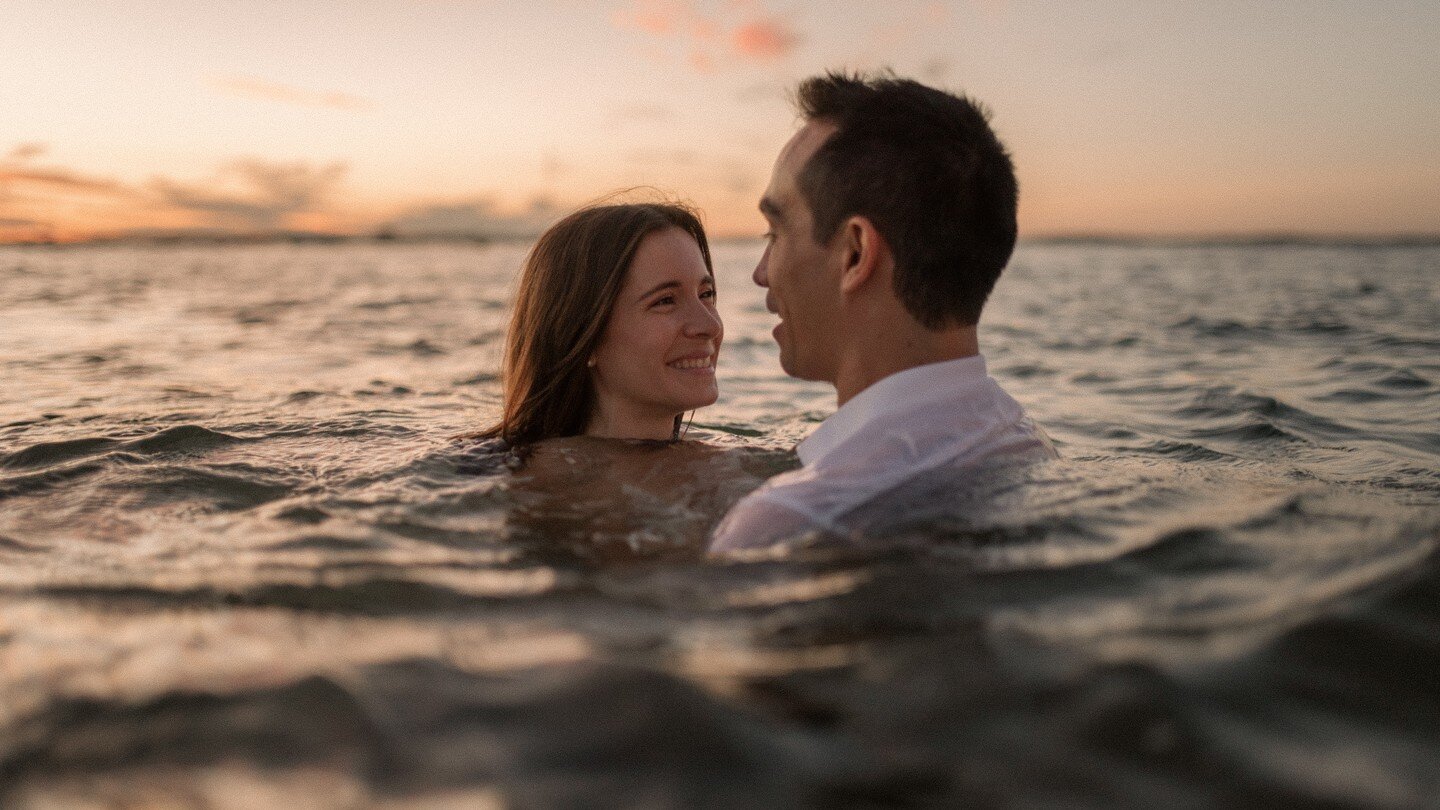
(925,168)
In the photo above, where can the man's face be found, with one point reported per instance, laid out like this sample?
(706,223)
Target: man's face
(802,275)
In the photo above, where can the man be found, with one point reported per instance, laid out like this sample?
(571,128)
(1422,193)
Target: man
(891,214)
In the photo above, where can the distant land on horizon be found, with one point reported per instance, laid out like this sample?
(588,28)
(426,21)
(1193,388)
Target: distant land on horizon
(383,236)
(1260,239)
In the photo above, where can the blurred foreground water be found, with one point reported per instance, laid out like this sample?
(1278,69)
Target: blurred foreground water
(244,564)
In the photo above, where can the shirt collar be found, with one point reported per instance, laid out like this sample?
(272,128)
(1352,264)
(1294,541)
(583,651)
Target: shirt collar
(902,391)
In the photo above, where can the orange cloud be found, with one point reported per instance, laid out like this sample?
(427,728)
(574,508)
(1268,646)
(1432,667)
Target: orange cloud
(708,43)
(59,179)
(57,204)
(14,229)
(26,151)
(765,39)
(250,87)
(474,218)
(254,194)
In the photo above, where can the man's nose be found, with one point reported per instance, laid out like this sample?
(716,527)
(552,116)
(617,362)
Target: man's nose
(761,275)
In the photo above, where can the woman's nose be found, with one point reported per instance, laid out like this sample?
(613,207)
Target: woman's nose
(702,321)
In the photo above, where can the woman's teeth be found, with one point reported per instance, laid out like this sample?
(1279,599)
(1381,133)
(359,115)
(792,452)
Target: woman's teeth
(700,362)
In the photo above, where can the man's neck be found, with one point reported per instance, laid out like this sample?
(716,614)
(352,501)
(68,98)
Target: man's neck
(892,351)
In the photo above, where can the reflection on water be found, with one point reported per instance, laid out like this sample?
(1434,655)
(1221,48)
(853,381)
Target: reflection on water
(609,499)
(241,560)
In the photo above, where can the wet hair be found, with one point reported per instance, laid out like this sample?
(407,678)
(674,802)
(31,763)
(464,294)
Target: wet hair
(925,168)
(568,288)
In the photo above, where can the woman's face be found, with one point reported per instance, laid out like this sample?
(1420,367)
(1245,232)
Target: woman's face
(657,356)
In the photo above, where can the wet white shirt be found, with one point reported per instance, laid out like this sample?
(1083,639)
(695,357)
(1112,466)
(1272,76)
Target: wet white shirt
(949,415)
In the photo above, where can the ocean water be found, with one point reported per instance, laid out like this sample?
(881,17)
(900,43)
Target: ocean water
(244,563)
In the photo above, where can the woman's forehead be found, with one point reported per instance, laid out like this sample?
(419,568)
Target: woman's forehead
(668,255)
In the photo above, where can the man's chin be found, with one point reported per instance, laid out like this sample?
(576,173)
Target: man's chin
(792,366)
(789,366)
(790,363)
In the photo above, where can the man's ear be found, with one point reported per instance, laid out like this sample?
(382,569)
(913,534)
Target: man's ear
(865,251)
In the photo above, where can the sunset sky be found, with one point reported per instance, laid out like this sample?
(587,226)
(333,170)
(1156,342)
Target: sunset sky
(1162,118)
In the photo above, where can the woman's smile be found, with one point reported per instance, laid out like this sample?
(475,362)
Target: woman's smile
(702,362)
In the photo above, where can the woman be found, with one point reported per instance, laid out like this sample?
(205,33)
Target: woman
(615,336)
(615,332)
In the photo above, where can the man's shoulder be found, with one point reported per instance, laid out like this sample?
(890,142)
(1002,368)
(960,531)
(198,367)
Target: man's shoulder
(818,491)
(857,495)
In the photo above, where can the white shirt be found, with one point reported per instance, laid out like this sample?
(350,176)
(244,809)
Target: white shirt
(947,417)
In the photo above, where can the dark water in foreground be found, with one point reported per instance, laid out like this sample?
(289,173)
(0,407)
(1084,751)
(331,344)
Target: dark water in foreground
(241,565)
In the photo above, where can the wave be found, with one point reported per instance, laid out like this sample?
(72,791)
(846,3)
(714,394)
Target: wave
(1314,323)
(173,440)
(45,454)
(367,595)
(1218,327)
(182,439)
(230,487)
(1403,379)
(1227,412)
(13,545)
(1194,550)
(407,725)
(1247,431)
(16,486)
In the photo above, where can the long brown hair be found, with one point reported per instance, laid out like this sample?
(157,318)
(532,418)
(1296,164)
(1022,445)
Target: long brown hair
(567,289)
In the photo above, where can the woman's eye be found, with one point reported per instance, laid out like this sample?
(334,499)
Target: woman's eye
(668,299)
(708,294)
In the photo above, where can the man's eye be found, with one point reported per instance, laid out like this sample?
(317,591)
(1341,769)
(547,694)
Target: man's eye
(768,236)
(708,294)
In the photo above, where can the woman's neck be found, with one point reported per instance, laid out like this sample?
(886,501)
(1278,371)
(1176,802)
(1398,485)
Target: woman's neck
(658,427)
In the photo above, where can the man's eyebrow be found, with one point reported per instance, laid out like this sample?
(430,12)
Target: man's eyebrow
(672,284)
(771,210)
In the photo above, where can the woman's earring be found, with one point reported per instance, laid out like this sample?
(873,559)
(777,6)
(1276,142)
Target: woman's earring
(590,363)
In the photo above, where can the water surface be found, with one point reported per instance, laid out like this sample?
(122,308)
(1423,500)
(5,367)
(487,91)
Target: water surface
(243,562)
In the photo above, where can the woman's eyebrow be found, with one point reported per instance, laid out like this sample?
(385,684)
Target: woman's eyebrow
(672,284)
(664,285)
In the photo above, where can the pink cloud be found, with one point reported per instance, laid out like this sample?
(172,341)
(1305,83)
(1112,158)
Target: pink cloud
(701,61)
(656,17)
(707,41)
(704,30)
(765,39)
(250,87)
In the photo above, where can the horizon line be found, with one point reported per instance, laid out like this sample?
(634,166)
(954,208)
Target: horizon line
(201,236)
